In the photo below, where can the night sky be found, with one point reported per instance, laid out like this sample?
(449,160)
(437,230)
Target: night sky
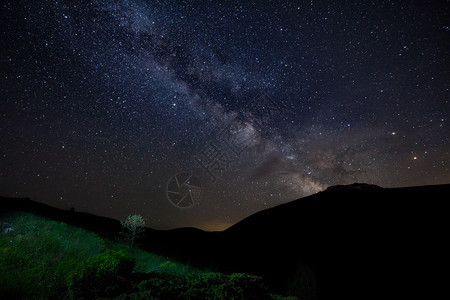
(200,113)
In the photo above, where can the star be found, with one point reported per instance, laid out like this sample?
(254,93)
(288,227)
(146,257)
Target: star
(121,97)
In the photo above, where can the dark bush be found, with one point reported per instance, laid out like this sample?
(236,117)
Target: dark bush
(104,275)
(201,286)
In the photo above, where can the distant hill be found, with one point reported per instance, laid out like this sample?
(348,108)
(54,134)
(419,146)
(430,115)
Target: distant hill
(103,225)
(351,242)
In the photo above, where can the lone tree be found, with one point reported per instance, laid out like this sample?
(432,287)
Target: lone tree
(134,224)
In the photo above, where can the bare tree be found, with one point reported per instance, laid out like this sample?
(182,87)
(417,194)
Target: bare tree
(134,224)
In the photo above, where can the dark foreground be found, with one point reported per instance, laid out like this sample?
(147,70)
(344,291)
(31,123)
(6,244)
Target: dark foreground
(349,242)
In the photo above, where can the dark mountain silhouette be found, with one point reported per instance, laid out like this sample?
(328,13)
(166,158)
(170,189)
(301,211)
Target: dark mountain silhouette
(354,186)
(359,240)
(353,242)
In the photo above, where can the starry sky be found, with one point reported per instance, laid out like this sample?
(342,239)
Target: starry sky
(200,113)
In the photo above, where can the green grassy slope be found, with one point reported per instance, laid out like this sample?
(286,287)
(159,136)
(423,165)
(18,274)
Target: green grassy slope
(45,259)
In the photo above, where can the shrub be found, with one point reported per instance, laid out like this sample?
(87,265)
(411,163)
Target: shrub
(102,275)
(169,285)
(303,283)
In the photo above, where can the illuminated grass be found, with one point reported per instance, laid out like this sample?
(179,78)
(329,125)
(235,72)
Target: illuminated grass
(45,259)
(37,255)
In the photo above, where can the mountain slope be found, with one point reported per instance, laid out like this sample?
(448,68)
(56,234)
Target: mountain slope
(103,225)
(354,241)
(358,241)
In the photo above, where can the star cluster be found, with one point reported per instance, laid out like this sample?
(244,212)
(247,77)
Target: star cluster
(103,103)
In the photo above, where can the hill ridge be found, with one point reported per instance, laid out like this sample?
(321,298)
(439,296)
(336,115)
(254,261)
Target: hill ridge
(353,243)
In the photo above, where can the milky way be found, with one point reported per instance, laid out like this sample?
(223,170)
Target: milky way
(199,113)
